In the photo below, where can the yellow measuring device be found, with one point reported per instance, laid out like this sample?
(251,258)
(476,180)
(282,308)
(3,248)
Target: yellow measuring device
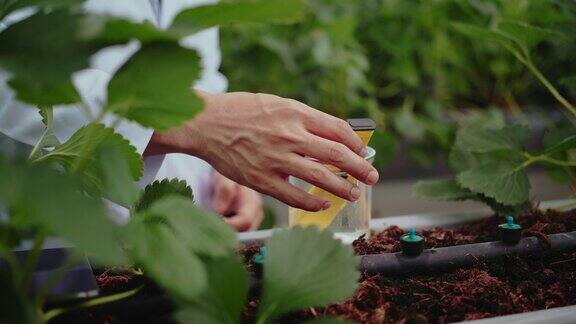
(364,128)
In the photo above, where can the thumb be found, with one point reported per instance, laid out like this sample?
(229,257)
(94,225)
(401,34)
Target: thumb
(224,195)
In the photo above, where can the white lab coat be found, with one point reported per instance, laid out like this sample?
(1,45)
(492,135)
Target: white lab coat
(23,123)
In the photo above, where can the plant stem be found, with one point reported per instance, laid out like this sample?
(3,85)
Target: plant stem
(550,87)
(12,263)
(264,316)
(93,302)
(89,145)
(545,158)
(48,121)
(548,159)
(38,145)
(32,261)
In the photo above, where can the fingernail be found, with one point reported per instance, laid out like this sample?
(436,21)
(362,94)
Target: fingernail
(364,152)
(372,177)
(326,205)
(355,193)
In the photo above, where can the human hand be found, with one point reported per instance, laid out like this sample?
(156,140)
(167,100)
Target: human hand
(241,206)
(258,140)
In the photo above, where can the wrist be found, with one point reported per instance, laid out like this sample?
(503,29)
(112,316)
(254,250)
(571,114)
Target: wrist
(184,139)
(179,140)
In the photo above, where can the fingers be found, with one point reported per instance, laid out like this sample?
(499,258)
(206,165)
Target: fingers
(337,154)
(239,222)
(318,175)
(225,192)
(334,129)
(280,189)
(250,213)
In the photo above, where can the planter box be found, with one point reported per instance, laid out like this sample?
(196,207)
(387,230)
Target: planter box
(153,303)
(395,264)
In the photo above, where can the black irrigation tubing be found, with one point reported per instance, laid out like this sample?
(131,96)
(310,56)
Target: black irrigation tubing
(461,256)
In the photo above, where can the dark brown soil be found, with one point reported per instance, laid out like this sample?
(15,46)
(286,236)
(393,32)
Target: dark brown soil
(115,280)
(513,285)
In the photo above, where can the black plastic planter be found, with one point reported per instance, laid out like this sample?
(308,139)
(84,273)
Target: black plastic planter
(460,256)
(77,282)
(154,304)
(134,309)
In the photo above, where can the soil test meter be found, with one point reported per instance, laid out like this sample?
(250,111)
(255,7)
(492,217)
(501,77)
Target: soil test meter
(364,128)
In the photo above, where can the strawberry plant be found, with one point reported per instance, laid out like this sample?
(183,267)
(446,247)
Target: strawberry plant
(59,189)
(490,161)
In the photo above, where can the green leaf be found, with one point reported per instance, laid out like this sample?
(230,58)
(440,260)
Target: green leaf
(160,189)
(116,178)
(449,190)
(527,34)
(15,308)
(228,13)
(569,82)
(49,139)
(485,34)
(107,30)
(485,139)
(556,135)
(459,159)
(161,254)
(154,88)
(9,6)
(477,144)
(409,125)
(224,298)
(491,117)
(10,237)
(446,189)
(558,142)
(43,92)
(563,145)
(305,268)
(506,182)
(200,231)
(502,209)
(41,60)
(82,148)
(54,200)
(558,174)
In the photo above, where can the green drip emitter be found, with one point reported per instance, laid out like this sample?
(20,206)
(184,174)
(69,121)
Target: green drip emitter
(412,243)
(258,261)
(510,232)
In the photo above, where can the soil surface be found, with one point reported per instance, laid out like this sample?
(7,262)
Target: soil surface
(512,285)
(536,223)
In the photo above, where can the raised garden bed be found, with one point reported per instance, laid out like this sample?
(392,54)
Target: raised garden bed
(506,285)
(510,284)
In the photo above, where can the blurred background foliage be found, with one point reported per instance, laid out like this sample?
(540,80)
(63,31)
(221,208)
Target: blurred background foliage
(404,64)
